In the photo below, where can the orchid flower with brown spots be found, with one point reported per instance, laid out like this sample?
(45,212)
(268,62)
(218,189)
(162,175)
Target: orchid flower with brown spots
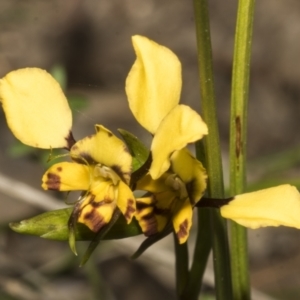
(176,180)
(38,114)
(101,168)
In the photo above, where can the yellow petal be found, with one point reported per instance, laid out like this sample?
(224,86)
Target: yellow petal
(126,201)
(180,127)
(191,172)
(153,84)
(145,215)
(67,176)
(269,207)
(36,109)
(106,149)
(182,221)
(151,218)
(97,208)
(146,183)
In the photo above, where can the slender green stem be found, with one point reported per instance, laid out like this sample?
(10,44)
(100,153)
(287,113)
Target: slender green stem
(212,151)
(181,266)
(238,131)
(202,250)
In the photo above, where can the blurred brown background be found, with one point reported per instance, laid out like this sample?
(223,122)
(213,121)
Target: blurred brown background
(91,40)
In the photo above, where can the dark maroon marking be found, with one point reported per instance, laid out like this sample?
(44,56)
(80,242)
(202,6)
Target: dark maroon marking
(119,172)
(126,150)
(129,210)
(59,169)
(151,224)
(183,229)
(96,219)
(84,158)
(160,211)
(238,140)
(70,140)
(141,205)
(97,204)
(53,182)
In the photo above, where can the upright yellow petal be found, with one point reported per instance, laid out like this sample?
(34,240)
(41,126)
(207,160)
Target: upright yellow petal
(153,84)
(66,176)
(106,149)
(269,207)
(191,172)
(36,109)
(180,127)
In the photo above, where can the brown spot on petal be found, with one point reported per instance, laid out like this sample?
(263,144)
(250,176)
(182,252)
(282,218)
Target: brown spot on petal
(183,229)
(96,204)
(59,169)
(70,140)
(84,158)
(149,224)
(109,134)
(53,182)
(94,221)
(130,210)
(123,175)
(161,211)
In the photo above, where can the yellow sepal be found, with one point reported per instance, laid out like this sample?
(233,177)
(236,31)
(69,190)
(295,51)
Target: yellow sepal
(36,109)
(106,149)
(153,84)
(67,176)
(269,207)
(180,127)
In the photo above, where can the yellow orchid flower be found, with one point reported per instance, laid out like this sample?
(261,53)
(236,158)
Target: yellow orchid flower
(38,114)
(36,109)
(102,167)
(274,206)
(176,180)
(172,196)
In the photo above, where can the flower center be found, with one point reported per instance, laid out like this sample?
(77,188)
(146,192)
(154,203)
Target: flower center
(177,185)
(106,173)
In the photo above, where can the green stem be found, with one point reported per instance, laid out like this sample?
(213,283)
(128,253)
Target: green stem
(201,252)
(181,266)
(212,151)
(238,131)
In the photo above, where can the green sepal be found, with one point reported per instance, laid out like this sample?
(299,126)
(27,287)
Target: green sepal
(138,150)
(53,225)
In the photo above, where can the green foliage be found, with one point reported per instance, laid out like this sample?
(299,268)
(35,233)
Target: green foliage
(53,225)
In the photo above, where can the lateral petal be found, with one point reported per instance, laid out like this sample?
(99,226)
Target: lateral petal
(126,201)
(153,85)
(104,148)
(180,127)
(274,206)
(182,221)
(66,176)
(97,208)
(36,109)
(191,172)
